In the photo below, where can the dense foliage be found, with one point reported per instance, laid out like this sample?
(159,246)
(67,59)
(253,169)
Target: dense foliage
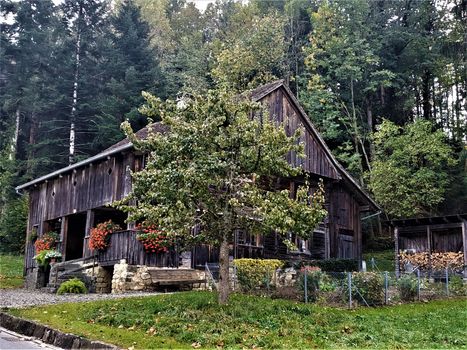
(73,70)
(255,273)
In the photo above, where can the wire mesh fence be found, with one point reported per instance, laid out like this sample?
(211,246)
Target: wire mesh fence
(312,285)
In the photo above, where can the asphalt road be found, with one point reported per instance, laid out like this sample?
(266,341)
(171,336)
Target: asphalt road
(12,340)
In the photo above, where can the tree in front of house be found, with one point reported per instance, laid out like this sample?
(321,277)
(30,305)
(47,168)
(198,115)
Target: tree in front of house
(216,169)
(409,173)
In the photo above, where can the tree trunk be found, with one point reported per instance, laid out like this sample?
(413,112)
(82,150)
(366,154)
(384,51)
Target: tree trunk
(426,95)
(71,156)
(224,281)
(32,141)
(14,140)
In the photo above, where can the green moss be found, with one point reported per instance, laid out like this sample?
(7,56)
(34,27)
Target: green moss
(179,320)
(11,271)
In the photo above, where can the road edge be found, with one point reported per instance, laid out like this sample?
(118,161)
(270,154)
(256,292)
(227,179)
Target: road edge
(49,335)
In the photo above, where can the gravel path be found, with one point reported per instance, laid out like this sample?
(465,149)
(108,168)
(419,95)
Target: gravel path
(16,298)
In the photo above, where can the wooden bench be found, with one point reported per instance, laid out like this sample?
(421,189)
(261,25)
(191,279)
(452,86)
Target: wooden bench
(173,277)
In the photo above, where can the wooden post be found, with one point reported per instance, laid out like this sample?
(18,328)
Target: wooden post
(89,224)
(327,243)
(464,244)
(429,241)
(63,235)
(396,250)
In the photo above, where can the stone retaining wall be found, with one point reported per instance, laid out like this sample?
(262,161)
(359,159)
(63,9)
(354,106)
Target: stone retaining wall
(49,335)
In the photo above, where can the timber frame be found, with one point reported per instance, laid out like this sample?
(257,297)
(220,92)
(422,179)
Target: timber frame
(74,199)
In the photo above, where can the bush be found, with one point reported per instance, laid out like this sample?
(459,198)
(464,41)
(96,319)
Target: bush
(407,288)
(254,273)
(75,286)
(457,286)
(369,285)
(317,281)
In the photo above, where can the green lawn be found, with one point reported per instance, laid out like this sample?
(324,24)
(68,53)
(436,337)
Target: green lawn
(11,271)
(194,318)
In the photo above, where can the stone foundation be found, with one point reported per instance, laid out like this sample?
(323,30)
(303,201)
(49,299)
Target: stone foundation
(35,278)
(130,278)
(103,279)
(137,278)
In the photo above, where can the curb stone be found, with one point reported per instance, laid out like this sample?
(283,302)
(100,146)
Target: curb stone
(49,335)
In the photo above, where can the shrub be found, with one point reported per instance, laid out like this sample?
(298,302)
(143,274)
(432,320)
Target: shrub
(254,273)
(407,288)
(75,286)
(457,286)
(369,286)
(317,281)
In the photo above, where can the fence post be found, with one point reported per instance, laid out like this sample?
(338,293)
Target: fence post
(418,284)
(267,280)
(305,283)
(349,283)
(386,287)
(447,280)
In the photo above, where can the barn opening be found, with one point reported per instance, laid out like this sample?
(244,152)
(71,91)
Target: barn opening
(75,236)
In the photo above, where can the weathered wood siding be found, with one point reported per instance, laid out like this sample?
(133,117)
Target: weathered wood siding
(284,111)
(88,187)
(124,245)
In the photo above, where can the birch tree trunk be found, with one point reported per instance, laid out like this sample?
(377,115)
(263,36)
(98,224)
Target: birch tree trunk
(14,140)
(71,156)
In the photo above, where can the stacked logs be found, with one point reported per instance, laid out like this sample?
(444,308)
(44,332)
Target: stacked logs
(438,260)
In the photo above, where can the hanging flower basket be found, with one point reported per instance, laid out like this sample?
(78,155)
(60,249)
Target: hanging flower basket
(46,242)
(99,238)
(154,240)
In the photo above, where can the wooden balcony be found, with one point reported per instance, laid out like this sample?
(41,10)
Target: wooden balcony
(124,245)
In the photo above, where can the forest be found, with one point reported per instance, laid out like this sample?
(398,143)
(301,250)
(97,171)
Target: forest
(384,81)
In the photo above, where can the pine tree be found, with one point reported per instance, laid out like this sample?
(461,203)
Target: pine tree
(129,68)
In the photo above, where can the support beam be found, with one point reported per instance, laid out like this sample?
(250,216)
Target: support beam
(464,243)
(396,250)
(429,241)
(63,235)
(87,232)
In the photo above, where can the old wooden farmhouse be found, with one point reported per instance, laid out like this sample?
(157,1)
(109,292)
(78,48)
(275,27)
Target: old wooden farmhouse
(72,200)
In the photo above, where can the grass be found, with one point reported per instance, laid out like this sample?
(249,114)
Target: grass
(193,319)
(384,260)
(11,271)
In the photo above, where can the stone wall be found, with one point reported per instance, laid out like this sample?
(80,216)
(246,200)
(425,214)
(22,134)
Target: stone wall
(138,278)
(130,278)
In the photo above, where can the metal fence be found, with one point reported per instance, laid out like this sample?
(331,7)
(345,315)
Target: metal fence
(353,289)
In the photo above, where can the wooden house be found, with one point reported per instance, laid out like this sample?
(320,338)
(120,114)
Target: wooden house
(72,200)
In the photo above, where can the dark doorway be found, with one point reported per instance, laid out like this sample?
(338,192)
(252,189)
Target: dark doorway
(75,236)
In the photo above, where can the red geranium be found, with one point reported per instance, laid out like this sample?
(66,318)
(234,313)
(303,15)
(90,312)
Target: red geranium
(46,242)
(100,235)
(153,239)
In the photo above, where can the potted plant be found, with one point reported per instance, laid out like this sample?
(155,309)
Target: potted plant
(47,256)
(53,256)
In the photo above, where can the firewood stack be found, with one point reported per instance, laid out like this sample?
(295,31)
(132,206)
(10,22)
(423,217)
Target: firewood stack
(439,261)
